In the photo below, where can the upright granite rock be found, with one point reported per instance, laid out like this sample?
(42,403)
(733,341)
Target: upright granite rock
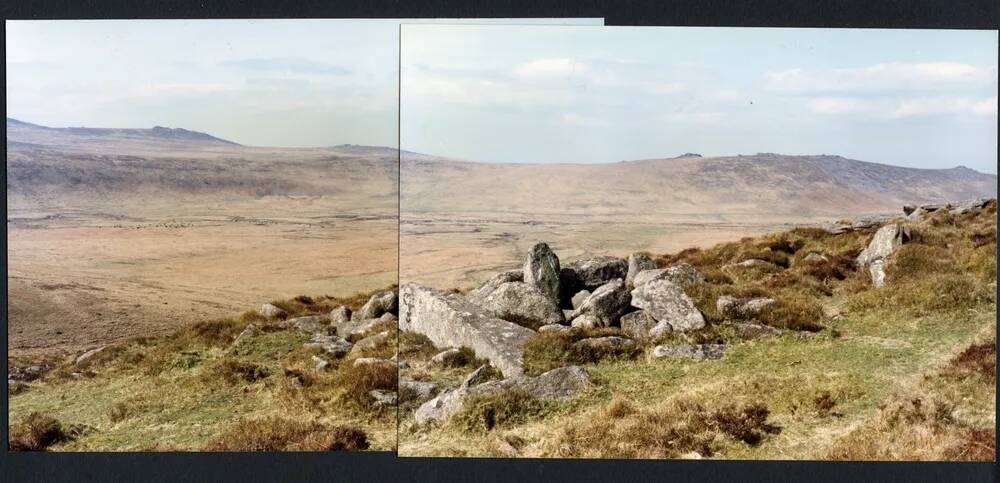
(607,304)
(638,262)
(450,321)
(378,304)
(523,305)
(682,274)
(558,383)
(541,270)
(596,271)
(666,301)
(885,242)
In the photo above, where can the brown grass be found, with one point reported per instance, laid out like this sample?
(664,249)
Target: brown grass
(675,429)
(279,434)
(499,410)
(545,351)
(357,382)
(978,360)
(36,433)
(234,372)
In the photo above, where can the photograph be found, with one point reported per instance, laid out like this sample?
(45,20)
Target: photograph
(202,226)
(697,243)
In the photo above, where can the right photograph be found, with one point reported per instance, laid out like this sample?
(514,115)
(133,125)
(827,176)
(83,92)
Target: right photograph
(697,243)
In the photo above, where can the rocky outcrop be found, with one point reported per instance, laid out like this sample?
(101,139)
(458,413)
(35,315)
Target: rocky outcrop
(638,262)
(492,284)
(590,273)
(450,321)
(541,270)
(558,383)
(885,242)
(340,315)
(667,303)
(578,299)
(522,304)
(607,304)
(640,325)
(682,274)
(420,390)
(741,308)
(378,304)
(313,324)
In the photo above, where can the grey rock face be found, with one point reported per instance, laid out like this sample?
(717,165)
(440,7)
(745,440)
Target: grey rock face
(815,258)
(492,284)
(371,341)
(553,328)
(666,301)
(420,390)
(477,376)
(378,304)
(579,298)
(682,274)
(340,315)
(741,308)
(886,240)
(638,262)
(558,383)
(357,326)
(268,310)
(313,324)
(541,270)
(640,325)
(967,206)
(331,344)
(586,321)
(522,304)
(445,357)
(607,304)
(383,398)
(698,352)
(449,321)
(596,271)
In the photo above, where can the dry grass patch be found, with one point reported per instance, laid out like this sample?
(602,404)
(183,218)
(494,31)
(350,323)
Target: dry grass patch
(503,409)
(545,351)
(36,433)
(280,434)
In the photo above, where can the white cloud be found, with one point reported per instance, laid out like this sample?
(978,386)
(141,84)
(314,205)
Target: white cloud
(892,108)
(667,87)
(581,120)
(987,107)
(885,77)
(544,69)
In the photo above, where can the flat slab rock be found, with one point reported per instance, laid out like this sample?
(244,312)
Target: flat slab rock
(522,304)
(449,321)
(697,352)
(666,301)
(558,383)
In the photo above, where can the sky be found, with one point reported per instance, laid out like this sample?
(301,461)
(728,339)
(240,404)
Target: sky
(521,94)
(289,83)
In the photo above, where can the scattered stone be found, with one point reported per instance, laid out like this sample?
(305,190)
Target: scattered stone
(967,206)
(607,304)
(372,361)
(541,270)
(478,376)
(751,330)
(666,301)
(697,352)
(331,344)
(553,328)
(608,342)
(640,325)
(248,332)
(815,258)
(371,341)
(886,240)
(638,262)
(87,355)
(356,327)
(741,308)
(446,356)
(340,315)
(558,383)
(383,398)
(682,274)
(492,284)
(751,262)
(450,321)
(579,298)
(421,390)
(321,363)
(522,304)
(313,324)
(269,310)
(596,271)
(586,321)
(378,304)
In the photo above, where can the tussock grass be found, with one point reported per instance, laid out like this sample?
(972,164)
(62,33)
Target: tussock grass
(545,351)
(500,410)
(36,433)
(281,434)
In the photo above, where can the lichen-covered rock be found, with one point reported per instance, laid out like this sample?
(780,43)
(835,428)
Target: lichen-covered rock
(640,325)
(378,304)
(420,390)
(446,357)
(586,321)
(682,274)
(450,321)
(741,308)
(340,315)
(596,271)
(553,328)
(313,324)
(579,298)
(638,262)
(885,242)
(558,383)
(383,398)
(698,352)
(522,304)
(666,301)
(607,304)
(478,376)
(541,270)
(372,341)
(270,310)
(331,344)
(492,284)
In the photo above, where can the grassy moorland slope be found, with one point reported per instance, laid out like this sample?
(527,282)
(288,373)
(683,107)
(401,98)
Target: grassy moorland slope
(905,372)
(201,389)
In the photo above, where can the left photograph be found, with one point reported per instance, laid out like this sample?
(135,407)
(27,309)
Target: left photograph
(202,235)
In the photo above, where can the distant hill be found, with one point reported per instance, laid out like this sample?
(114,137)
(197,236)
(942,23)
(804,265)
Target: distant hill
(760,184)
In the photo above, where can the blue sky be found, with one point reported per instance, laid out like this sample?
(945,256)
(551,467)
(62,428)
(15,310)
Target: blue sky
(920,98)
(258,82)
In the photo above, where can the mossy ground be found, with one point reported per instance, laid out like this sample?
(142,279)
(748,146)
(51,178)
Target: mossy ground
(833,391)
(186,391)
